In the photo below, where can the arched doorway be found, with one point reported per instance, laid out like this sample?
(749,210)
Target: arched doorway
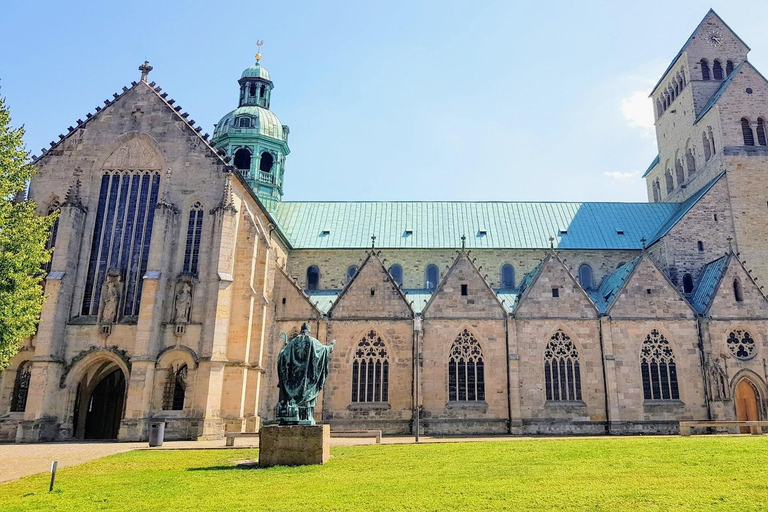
(99,402)
(745,400)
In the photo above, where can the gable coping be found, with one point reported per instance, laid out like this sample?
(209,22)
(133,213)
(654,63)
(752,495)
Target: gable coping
(301,292)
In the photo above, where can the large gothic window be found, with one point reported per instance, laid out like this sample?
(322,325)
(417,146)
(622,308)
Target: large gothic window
(370,370)
(21,387)
(657,365)
(562,373)
(466,372)
(175,389)
(121,236)
(194,233)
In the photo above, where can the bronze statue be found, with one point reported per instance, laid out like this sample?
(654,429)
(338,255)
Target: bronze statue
(302,368)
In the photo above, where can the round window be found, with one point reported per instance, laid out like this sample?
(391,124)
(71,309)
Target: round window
(741,344)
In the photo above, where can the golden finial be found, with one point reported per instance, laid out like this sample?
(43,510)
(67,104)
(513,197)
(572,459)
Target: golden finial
(259,43)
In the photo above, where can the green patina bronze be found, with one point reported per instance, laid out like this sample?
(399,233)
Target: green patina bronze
(302,368)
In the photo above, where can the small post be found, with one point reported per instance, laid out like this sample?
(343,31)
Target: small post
(53,475)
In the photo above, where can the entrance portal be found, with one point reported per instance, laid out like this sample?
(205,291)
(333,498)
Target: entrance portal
(99,404)
(746,403)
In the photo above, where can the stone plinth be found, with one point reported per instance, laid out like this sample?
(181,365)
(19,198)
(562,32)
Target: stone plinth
(294,445)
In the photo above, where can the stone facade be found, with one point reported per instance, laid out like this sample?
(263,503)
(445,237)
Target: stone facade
(180,318)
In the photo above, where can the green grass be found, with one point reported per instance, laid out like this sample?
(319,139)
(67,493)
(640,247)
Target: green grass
(714,473)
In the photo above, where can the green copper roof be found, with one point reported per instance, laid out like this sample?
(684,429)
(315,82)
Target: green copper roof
(263,120)
(256,71)
(609,288)
(650,167)
(486,225)
(710,279)
(323,299)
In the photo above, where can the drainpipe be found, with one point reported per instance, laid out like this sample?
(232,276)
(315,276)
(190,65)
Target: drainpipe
(416,384)
(605,375)
(703,366)
(509,387)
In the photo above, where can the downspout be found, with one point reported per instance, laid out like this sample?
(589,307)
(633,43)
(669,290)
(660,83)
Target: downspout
(703,366)
(416,383)
(605,375)
(509,388)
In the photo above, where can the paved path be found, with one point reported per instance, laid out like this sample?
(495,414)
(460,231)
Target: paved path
(18,460)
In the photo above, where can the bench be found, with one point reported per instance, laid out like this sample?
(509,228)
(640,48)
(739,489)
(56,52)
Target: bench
(358,433)
(755,427)
(232,435)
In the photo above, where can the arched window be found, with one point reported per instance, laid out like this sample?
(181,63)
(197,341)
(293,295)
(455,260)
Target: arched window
(50,244)
(562,375)
(266,162)
(175,389)
(432,277)
(656,195)
(687,283)
(262,91)
(585,276)
(21,387)
(761,131)
(717,70)
(244,122)
(711,140)
(690,161)
(679,173)
(313,277)
(351,271)
(659,108)
(704,69)
(243,160)
(738,291)
(508,277)
(194,234)
(669,182)
(728,68)
(657,365)
(396,271)
(121,234)
(707,148)
(466,373)
(253,89)
(370,370)
(746,131)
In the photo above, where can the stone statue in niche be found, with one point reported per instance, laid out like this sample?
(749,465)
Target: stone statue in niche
(183,300)
(110,297)
(717,378)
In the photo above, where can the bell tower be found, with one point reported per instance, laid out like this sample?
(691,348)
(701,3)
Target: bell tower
(253,137)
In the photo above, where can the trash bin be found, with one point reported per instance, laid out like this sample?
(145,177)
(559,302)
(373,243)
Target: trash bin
(156,433)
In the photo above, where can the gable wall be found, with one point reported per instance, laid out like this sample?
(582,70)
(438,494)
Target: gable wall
(538,302)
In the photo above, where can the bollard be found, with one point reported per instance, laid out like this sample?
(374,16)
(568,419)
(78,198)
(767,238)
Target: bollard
(53,475)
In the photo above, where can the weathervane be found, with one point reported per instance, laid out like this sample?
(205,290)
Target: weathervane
(259,43)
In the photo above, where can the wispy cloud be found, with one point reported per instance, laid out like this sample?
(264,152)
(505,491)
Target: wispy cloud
(637,109)
(624,179)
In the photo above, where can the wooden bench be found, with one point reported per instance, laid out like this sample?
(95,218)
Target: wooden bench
(358,433)
(232,435)
(755,427)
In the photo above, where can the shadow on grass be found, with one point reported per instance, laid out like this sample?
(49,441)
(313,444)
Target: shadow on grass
(243,465)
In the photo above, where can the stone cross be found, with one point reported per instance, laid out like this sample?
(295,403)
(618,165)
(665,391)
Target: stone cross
(145,69)
(463,242)
(373,241)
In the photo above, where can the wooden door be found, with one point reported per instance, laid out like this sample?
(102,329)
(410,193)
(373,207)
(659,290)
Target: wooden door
(746,403)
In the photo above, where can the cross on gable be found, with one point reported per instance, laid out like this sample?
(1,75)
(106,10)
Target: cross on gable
(145,69)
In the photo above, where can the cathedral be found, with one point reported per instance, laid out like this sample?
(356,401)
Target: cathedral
(178,273)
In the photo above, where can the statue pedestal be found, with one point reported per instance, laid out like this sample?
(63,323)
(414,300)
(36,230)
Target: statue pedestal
(294,445)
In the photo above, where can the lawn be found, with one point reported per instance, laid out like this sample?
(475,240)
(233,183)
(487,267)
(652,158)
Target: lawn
(656,473)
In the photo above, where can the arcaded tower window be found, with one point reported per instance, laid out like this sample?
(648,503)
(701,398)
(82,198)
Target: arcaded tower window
(243,160)
(266,162)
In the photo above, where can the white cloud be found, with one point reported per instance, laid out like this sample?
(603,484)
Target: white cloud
(637,109)
(624,178)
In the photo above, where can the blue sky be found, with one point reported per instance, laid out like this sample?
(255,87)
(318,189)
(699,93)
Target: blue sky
(389,100)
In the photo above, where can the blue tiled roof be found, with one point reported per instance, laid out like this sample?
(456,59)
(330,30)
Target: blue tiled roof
(710,279)
(653,164)
(486,225)
(609,288)
(683,208)
(323,299)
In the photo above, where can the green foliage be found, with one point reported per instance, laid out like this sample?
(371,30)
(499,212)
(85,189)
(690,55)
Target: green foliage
(23,235)
(614,474)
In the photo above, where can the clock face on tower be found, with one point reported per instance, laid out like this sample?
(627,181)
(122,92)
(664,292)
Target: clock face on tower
(715,39)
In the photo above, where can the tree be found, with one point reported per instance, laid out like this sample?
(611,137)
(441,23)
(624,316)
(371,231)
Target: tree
(23,237)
